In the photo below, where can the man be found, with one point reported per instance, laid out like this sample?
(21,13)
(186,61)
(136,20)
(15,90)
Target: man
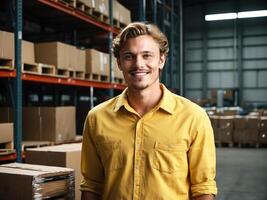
(147,143)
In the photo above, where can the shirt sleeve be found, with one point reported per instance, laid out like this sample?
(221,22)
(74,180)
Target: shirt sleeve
(91,166)
(202,158)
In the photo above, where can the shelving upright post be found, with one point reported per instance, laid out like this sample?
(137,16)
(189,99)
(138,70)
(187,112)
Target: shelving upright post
(18,95)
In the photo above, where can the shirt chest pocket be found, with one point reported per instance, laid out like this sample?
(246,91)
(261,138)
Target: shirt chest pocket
(111,155)
(169,158)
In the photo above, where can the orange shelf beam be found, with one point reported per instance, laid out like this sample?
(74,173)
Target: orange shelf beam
(61,81)
(7,73)
(70,81)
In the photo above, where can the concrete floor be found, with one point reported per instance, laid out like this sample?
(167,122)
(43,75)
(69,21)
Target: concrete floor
(241,173)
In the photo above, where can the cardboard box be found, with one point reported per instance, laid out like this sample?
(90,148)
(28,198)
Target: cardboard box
(7,45)
(240,122)
(80,60)
(240,136)
(263,123)
(66,155)
(102,6)
(226,122)
(27,52)
(53,53)
(25,181)
(55,124)
(116,10)
(225,135)
(253,122)
(125,15)
(6,132)
(97,62)
(263,137)
(6,114)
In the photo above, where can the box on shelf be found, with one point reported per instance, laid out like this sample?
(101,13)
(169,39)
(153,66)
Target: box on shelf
(53,53)
(27,52)
(25,181)
(125,15)
(80,60)
(263,123)
(7,45)
(6,132)
(116,10)
(102,6)
(65,155)
(55,124)
(97,62)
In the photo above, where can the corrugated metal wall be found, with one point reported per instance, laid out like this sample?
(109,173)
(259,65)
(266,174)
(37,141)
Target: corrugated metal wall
(228,54)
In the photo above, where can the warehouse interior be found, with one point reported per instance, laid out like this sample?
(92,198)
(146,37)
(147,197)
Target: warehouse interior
(56,64)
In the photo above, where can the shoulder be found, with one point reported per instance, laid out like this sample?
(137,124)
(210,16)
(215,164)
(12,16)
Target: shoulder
(184,105)
(103,107)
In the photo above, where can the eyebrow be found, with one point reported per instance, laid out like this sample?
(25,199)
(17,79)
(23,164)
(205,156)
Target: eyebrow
(142,52)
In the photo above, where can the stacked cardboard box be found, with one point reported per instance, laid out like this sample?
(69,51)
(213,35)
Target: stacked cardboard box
(25,181)
(120,13)
(117,73)
(263,130)
(55,124)
(97,62)
(27,50)
(6,125)
(215,125)
(102,6)
(6,132)
(66,155)
(7,45)
(225,129)
(246,129)
(61,55)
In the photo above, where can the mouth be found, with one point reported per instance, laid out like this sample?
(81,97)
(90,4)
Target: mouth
(138,73)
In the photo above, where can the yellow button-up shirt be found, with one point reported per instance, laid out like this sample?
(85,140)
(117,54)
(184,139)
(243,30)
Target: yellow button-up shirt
(169,153)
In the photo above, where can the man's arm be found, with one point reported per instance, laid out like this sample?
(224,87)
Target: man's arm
(205,197)
(86,195)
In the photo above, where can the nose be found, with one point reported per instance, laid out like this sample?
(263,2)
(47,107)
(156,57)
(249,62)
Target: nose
(139,61)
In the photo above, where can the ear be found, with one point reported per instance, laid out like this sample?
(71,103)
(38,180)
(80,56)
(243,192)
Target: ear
(118,63)
(162,60)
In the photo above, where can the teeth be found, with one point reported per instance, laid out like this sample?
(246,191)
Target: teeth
(138,73)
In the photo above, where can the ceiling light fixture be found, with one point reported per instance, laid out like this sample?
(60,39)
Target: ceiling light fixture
(227,16)
(250,14)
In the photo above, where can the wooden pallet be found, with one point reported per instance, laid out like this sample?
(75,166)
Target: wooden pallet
(84,8)
(47,70)
(118,80)
(7,145)
(30,68)
(35,144)
(224,144)
(6,64)
(100,17)
(62,73)
(118,24)
(79,74)
(71,3)
(96,77)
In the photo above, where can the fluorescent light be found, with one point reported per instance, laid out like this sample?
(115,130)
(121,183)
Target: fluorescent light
(250,14)
(222,16)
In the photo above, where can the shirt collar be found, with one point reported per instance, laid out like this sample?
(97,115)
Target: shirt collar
(166,103)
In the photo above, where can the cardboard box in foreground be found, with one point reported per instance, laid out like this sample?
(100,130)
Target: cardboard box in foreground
(25,181)
(65,155)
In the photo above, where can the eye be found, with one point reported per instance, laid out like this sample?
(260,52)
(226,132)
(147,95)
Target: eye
(147,56)
(128,56)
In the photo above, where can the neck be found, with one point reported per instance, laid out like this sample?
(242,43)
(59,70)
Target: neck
(142,101)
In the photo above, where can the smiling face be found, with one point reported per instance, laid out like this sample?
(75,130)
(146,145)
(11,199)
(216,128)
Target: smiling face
(140,61)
